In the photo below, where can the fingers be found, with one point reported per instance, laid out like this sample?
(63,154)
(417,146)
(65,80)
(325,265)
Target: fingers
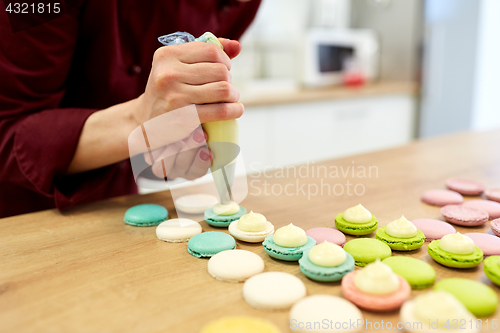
(186,155)
(200,165)
(196,52)
(204,72)
(231,47)
(165,161)
(219,111)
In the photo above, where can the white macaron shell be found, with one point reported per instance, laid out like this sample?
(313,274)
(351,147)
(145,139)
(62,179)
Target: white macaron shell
(235,265)
(177,230)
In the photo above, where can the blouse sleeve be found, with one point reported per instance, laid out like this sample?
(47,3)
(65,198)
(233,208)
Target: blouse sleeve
(38,139)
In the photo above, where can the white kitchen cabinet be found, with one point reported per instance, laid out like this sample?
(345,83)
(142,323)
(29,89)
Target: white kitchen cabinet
(272,136)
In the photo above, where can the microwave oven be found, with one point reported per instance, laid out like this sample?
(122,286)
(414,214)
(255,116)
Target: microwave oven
(328,53)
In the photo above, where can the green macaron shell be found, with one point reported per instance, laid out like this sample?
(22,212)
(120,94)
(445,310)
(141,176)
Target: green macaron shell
(454,260)
(419,274)
(145,215)
(356,229)
(222,220)
(286,253)
(367,250)
(208,244)
(477,297)
(401,244)
(492,269)
(325,274)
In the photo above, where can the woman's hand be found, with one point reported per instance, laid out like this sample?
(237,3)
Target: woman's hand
(192,73)
(188,158)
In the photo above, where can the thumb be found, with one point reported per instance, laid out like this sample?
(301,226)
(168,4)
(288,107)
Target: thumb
(231,47)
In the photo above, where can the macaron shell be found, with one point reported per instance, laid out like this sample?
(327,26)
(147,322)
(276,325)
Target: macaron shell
(195,203)
(235,265)
(492,194)
(273,290)
(492,269)
(145,215)
(317,308)
(222,221)
(355,229)
(465,186)
(464,216)
(489,244)
(250,237)
(477,297)
(442,197)
(322,234)
(401,244)
(286,253)
(367,250)
(177,230)
(433,229)
(454,260)
(491,207)
(419,274)
(407,314)
(240,324)
(378,303)
(208,244)
(495,227)
(325,274)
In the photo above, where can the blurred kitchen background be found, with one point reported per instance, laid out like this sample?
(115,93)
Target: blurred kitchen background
(385,73)
(322,79)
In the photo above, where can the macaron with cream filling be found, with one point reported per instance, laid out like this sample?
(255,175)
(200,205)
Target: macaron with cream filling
(455,250)
(401,235)
(251,227)
(356,221)
(288,243)
(376,288)
(326,262)
(222,215)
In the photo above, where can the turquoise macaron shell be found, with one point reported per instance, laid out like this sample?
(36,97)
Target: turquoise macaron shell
(222,220)
(145,215)
(325,274)
(286,253)
(208,244)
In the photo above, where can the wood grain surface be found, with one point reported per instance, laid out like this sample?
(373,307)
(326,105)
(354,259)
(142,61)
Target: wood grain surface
(86,271)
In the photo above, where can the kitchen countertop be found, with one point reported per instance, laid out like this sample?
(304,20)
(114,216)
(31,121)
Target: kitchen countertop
(86,271)
(379,88)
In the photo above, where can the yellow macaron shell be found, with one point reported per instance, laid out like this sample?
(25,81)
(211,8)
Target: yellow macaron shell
(401,228)
(357,214)
(440,306)
(290,236)
(457,244)
(240,324)
(377,278)
(327,254)
(230,209)
(252,222)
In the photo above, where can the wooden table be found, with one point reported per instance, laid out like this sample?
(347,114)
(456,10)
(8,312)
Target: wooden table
(86,271)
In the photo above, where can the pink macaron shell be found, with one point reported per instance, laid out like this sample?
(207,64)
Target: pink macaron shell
(377,303)
(433,229)
(464,216)
(492,207)
(495,227)
(492,194)
(465,186)
(489,244)
(442,197)
(322,234)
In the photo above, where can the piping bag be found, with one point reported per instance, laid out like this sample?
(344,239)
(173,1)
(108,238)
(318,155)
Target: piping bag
(222,135)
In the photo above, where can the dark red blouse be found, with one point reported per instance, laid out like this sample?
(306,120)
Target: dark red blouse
(54,75)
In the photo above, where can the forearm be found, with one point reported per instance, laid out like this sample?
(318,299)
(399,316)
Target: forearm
(104,138)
